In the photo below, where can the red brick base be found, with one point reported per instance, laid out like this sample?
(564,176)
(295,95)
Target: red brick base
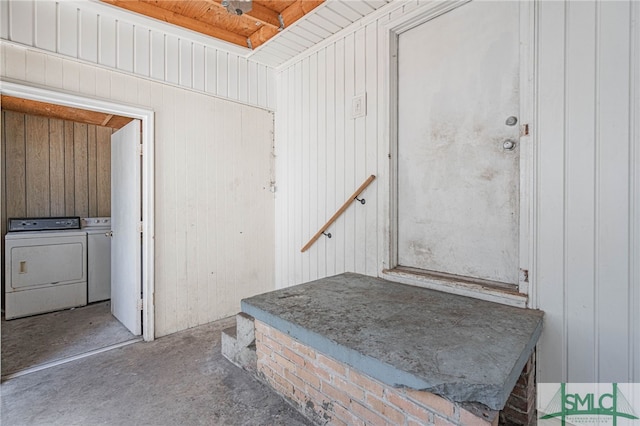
(520,409)
(330,392)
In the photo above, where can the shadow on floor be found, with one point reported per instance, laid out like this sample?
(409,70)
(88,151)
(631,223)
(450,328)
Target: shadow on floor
(41,339)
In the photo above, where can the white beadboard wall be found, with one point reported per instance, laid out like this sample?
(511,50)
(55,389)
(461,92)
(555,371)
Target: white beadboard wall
(98,34)
(586,271)
(323,155)
(214,213)
(587,276)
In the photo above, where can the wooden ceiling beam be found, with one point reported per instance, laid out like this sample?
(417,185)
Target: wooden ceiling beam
(297,10)
(44,109)
(180,20)
(262,36)
(259,13)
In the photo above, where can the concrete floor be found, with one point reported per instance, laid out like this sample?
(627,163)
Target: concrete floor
(42,339)
(181,379)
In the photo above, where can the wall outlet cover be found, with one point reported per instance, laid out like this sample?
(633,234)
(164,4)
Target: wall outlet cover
(359,106)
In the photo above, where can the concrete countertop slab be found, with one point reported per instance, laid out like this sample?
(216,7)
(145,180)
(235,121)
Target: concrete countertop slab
(465,350)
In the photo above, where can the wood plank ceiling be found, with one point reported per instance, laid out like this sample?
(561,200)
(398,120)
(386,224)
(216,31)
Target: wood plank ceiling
(251,29)
(78,115)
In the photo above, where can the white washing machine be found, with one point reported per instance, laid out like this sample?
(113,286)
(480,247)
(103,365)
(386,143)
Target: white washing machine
(45,270)
(98,231)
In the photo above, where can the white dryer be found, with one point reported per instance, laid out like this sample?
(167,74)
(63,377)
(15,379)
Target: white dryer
(45,271)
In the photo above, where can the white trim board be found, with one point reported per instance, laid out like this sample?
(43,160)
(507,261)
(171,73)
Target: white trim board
(146,116)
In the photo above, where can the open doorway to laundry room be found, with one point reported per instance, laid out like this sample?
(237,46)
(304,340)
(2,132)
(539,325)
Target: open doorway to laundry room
(63,161)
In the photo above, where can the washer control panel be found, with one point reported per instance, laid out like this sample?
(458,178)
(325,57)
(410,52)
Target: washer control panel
(42,223)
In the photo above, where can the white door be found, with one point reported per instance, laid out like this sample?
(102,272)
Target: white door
(126,245)
(458,176)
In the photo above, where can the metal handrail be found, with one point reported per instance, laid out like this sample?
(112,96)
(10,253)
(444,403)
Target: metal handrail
(338,213)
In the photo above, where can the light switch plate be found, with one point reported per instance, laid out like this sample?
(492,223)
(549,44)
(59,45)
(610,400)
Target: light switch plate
(359,106)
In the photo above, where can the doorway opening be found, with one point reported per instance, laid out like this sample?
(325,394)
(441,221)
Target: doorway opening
(138,303)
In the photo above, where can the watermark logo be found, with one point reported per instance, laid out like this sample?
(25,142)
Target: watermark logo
(588,403)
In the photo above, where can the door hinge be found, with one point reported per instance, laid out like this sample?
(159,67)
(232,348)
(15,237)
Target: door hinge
(524,275)
(139,305)
(139,149)
(140,227)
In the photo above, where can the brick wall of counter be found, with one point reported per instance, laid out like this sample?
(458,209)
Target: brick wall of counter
(330,392)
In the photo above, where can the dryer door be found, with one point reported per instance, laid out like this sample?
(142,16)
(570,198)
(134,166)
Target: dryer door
(41,262)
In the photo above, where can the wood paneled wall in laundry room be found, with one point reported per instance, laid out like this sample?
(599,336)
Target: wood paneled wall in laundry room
(54,167)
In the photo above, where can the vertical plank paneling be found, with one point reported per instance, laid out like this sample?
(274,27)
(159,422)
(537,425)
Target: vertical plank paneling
(297,167)
(321,158)
(252,82)
(103,170)
(78,31)
(349,183)
(41,167)
(68,29)
(35,67)
(69,170)
(190,195)
(53,75)
(280,151)
(15,171)
(71,76)
(171,59)
(206,252)
(360,172)
(21,21)
(81,185)
(87,79)
(331,202)
(340,159)
(3,183)
(157,55)
(4,20)
(371,147)
(262,85)
(198,67)
(124,46)
(304,191)
(634,211)
(88,40)
(142,53)
(243,88)
(271,89)
(232,84)
(211,69)
(222,73)
(14,62)
(56,167)
(45,24)
(311,167)
(612,207)
(92,173)
(37,165)
(107,41)
(185,62)
(200,202)
(580,178)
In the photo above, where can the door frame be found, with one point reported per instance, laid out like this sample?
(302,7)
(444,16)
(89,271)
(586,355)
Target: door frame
(146,116)
(524,294)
